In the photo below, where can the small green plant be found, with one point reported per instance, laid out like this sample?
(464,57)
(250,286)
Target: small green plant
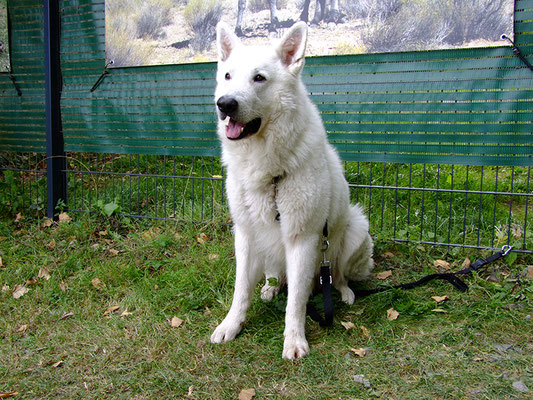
(107,209)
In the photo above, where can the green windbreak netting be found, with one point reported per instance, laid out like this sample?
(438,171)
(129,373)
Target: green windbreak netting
(467,106)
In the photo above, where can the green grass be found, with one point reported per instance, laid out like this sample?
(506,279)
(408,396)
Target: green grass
(476,349)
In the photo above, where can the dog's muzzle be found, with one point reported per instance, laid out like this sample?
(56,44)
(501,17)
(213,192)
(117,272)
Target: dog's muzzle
(235,130)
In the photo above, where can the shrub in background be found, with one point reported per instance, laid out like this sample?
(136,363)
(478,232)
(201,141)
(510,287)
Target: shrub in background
(154,15)
(202,17)
(400,25)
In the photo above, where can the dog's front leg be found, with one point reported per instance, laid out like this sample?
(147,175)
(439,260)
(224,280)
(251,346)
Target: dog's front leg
(301,265)
(247,276)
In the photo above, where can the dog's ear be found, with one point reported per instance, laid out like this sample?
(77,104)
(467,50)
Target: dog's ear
(226,41)
(291,49)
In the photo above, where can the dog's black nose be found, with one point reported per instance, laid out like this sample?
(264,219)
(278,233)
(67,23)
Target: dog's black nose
(227,104)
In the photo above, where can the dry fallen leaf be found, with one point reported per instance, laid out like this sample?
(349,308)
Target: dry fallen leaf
(66,315)
(51,245)
(384,275)
(392,314)
(58,364)
(212,257)
(466,263)
(348,325)
(63,286)
(441,264)
(19,217)
(529,273)
(365,331)
(125,313)
(64,217)
(22,328)
(176,322)
(111,310)
(97,283)
(113,252)
(246,394)
(202,238)
(360,352)
(440,299)
(1,263)
(190,391)
(19,291)
(388,254)
(5,395)
(5,288)
(47,223)
(43,273)
(439,310)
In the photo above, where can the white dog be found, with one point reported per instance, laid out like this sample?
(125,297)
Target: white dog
(284,181)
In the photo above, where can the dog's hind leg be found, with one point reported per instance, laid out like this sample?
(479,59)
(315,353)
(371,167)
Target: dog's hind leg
(247,277)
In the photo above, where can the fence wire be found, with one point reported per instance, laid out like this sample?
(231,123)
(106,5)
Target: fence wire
(447,205)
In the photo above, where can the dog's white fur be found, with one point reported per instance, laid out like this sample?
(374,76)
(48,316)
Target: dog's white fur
(291,143)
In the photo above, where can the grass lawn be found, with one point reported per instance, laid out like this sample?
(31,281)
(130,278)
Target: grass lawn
(98,297)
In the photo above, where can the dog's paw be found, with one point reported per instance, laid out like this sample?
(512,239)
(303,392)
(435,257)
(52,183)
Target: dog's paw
(269,292)
(347,295)
(225,332)
(294,348)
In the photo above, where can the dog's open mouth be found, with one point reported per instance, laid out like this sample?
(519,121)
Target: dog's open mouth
(236,130)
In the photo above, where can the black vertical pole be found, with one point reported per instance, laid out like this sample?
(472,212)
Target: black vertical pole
(55,151)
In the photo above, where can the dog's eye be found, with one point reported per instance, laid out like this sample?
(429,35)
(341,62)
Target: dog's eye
(227,76)
(259,78)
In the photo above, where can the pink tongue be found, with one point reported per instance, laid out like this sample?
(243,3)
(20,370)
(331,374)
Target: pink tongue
(233,129)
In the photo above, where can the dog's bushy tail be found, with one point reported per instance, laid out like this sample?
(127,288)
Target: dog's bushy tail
(356,253)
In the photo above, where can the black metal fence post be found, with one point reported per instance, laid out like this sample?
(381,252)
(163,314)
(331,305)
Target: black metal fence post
(55,151)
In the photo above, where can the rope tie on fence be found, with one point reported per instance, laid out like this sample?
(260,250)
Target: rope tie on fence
(517,52)
(105,72)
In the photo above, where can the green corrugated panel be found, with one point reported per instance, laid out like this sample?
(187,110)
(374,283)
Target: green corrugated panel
(22,119)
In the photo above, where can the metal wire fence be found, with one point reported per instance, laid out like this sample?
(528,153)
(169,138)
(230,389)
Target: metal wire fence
(458,206)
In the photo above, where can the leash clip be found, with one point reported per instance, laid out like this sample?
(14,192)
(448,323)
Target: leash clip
(506,249)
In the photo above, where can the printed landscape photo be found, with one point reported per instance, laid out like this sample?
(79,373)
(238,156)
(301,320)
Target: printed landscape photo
(148,32)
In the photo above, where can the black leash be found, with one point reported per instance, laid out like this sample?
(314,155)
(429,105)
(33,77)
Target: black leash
(326,281)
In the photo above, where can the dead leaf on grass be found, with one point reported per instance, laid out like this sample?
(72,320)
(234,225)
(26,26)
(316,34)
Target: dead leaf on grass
(58,364)
(1,263)
(441,264)
(19,291)
(212,257)
(113,252)
(5,288)
(19,217)
(202,238)
(384,275)
(247,394)
(176,322)
(97,283)
(348,325)
(529,273)
(22,328)
(392,314)
(388,254)
(63,286)
(47,223)
(440,310)
(365,331)
(440,299)
(125,313)
(5,395)
(43,273)
(52,244)
(66,315)
(64,218)
(360,352)
(111,310)
(466,263)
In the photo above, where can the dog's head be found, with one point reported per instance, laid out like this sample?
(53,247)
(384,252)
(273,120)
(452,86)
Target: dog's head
(252,81)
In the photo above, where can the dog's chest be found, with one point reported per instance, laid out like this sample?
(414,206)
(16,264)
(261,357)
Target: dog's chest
(260,201)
